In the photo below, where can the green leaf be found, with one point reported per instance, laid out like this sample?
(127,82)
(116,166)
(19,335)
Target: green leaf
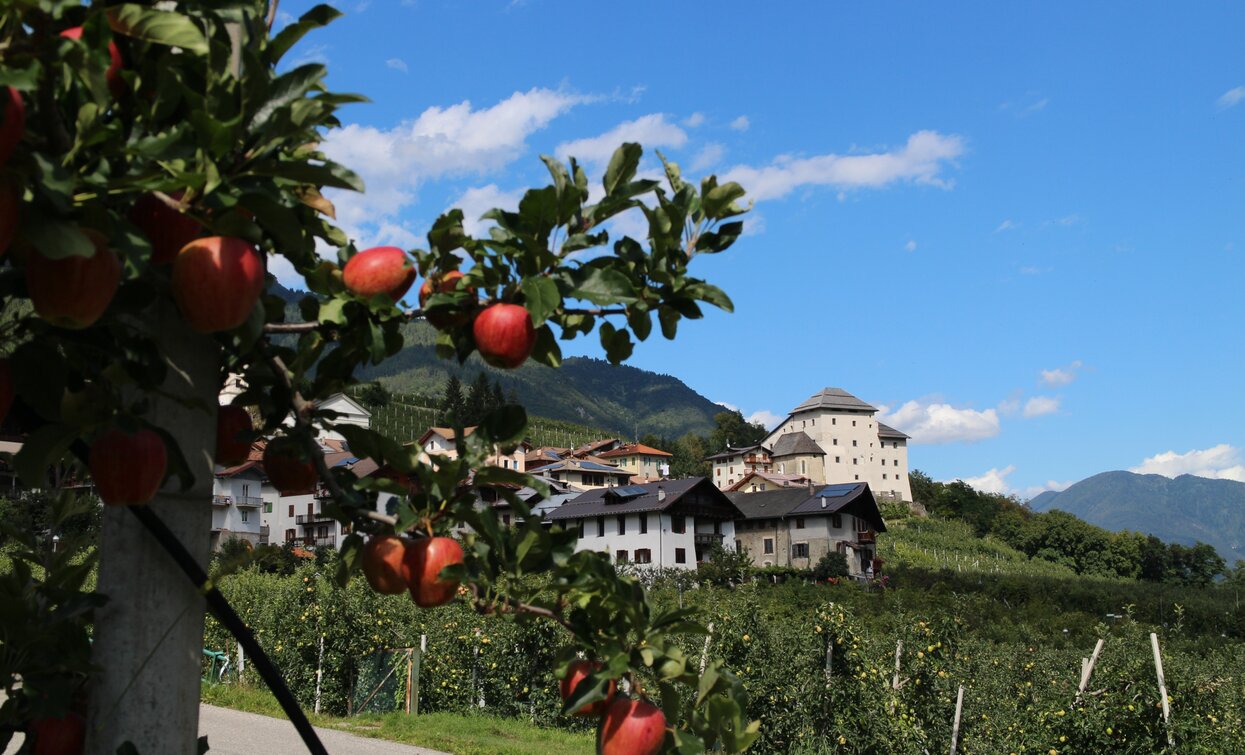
(22,79)
(541,297)
(719,201)
(158,27)
(57,239)
(319,16)
(714,295)
(622,166)
(617,343)
(41,450)
(504,425)
(325,174)
(603,285)
(288,88)
(447,233)
(546,351)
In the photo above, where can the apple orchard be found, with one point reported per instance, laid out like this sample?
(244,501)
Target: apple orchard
(155,159)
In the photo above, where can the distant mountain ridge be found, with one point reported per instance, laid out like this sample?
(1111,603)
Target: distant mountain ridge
(1182,510)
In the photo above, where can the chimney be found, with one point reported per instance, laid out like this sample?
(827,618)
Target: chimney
(661,494)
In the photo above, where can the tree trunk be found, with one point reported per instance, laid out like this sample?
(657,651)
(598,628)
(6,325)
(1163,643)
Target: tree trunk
(149,636)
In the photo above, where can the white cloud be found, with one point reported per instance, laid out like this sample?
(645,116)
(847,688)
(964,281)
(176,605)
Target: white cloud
(1034,270)
(1026,107)
(1218,462)
(993,481)
(1033,491)
(1006,225)
(936,422)
(1008,407)
(766,418)
(651,130)
(920,160)
(397,64)
(1039,405)
(910,246)
(1061,375)
(709,156)
(1234,96)
(311,54)
(741,123)
(1066,220)
(728,405)
(478,200)
(442,141)
(694,120)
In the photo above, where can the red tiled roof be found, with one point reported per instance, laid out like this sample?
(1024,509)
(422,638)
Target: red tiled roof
(635,448)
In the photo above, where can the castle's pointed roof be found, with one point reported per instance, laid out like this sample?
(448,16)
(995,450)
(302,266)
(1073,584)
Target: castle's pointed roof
(886,431)
(791,444)
(833,398)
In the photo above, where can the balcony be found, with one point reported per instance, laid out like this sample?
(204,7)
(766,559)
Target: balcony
(318,542)
(707,538)
(306,519)
(225,501)
(221,500)
(866,537)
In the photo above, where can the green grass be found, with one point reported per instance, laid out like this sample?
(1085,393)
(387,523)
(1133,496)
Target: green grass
(932,543)
(450,732)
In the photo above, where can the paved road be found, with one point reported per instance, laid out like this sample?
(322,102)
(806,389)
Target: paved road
(232,732)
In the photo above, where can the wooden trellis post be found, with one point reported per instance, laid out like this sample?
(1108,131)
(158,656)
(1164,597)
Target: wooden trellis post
(955,726)
(1158,670)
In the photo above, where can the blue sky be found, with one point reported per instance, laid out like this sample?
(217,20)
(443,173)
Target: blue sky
(1020,228)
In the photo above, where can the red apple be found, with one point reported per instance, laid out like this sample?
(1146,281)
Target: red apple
(73,292)
(576,672)
(382,563)
(127,468)
(116,84)
(631,727)
(166,228)
(59,736)
(504,335)
(382,270)
(422,565)
(10,205)
(233,435)
(6,389)
(443,284)
(289,470)
(12,122)
(216,282)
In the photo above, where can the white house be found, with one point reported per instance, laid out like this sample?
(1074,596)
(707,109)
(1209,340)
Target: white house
(733,464)
(856,447)
(237,504)
(673,523)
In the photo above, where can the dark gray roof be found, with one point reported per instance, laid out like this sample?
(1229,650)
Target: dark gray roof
(798,442)
(834,398)
(732,451)
(577,465)
(852,498)
(886,431)
(605,501)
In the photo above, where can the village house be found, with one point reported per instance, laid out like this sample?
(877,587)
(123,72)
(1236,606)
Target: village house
(440,440)
(754,482)
(587,474)
(645,463)
(733,464)
(238,503)
(673,523)
(797,526)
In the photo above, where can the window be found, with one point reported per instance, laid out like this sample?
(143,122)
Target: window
(802,470)
(838,459)
(836,521)
(895,462)
(769,546)
(782,468)
(678,524)
(291,509)
(883,475)
(680,555)
(853,444)
(717,528)
(643,524)
(600,526)
(834,441)
(622,524)
(799,522)
(311,509)
(643,556)
(803,423)
(853,423)
(289,536)
(799,550)
(244,513)
(505,520)
(834,421)
(322,531)
(621,557)
(718,471)
(267,507)
(739,547)
(855,460)
(857,477)
(581,527)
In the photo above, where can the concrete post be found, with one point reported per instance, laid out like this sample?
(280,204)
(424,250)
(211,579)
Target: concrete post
(149,636)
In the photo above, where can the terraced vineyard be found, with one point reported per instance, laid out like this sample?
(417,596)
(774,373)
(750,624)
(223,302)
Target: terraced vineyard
(934,543)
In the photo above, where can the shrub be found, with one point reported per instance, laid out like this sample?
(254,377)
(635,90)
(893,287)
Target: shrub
(833,564)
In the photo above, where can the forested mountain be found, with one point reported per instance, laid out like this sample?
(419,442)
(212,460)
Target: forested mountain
(1182,510)
(624,400)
